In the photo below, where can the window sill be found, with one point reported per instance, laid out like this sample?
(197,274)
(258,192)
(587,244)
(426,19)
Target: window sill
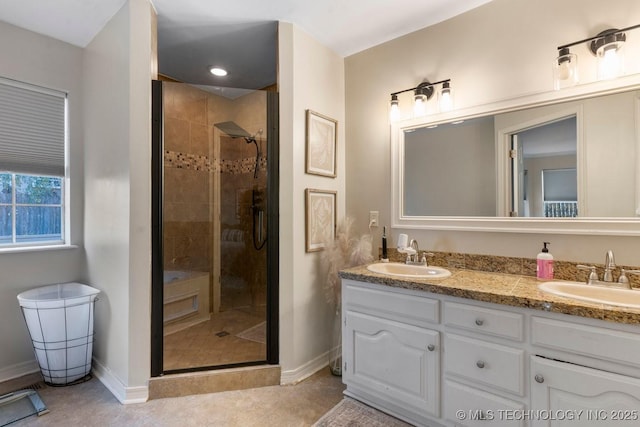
(24,249)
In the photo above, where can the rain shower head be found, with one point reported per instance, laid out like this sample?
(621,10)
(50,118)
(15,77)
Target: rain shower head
(233,130)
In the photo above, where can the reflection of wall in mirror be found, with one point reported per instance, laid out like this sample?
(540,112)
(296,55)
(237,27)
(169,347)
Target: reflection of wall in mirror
(450,170)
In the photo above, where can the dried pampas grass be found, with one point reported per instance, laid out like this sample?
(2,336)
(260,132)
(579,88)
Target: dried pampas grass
(343,252)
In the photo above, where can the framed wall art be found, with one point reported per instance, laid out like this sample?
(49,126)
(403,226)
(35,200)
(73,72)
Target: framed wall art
(320,220)
(321,141)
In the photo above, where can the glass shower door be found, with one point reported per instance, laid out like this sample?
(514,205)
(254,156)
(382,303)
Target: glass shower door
(213,229)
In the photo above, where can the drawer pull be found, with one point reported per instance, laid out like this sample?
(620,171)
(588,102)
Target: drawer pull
(539,378)
(479,322)
(480,364)
(431,347)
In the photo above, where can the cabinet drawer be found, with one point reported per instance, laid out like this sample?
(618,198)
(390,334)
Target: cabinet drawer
(470,407)
(484,320)
(601,343)
(404,307)
(491,364)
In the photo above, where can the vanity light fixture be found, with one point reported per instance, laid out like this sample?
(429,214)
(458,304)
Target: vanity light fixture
(607,46)
(445,97)
(422,93)
(565,69)
(394,112)
(609,51)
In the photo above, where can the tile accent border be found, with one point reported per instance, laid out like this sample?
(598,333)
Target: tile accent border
(196,162)
(176,159)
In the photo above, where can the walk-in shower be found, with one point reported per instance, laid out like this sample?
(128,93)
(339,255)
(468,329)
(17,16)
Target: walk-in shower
(214,263)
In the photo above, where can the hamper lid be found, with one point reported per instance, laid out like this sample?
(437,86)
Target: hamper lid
(60,291)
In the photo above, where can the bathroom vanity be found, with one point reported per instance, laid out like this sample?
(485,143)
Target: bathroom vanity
(480,348)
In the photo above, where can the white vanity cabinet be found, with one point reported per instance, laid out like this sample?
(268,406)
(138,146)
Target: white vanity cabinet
(439,360)
(391,358)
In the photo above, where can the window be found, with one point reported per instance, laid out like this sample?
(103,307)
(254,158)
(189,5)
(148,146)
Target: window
(30,208)
(32,164)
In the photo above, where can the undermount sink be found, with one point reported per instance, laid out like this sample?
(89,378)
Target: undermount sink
(410,271)
(593,293)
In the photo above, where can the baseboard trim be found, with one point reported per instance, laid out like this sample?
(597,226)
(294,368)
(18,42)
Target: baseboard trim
(125,395)
(305,371)
(19,370)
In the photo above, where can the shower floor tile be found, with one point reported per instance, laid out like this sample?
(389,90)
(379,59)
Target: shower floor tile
(201,345)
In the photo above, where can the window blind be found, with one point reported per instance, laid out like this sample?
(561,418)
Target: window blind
(32,129)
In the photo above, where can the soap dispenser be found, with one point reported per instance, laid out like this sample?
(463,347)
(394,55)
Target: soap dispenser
(544,264)
(385,255)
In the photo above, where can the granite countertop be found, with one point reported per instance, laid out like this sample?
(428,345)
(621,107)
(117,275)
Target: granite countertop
(507,289)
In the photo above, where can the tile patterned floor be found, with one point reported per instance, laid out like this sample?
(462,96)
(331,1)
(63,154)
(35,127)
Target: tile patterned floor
(91,404)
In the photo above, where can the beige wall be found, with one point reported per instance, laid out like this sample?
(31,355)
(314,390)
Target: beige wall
(310,77)
(117,76)
(498,51)
(43,61)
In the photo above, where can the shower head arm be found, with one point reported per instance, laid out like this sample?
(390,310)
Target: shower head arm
(250,139)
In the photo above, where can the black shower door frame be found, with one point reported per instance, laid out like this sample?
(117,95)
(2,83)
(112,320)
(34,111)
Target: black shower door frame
(272,244)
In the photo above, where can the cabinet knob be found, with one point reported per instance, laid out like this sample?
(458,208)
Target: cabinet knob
(539,378)
(479,322)
(480,364)
(431,347)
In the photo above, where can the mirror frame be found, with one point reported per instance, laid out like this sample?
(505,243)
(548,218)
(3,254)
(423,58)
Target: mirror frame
(623,226)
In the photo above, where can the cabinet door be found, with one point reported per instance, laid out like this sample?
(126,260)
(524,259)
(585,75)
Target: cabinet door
(572,395)
(392,362)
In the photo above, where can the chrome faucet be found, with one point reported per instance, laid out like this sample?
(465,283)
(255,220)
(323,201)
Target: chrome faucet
(412,256)
(609,265)
(413,244)
(607,277)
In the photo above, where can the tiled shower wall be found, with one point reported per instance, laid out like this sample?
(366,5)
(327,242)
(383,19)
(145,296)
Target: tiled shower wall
(190,168)
(243,268)
(187,195)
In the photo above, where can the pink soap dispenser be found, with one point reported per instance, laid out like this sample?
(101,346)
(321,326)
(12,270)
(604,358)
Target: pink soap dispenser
(544,264)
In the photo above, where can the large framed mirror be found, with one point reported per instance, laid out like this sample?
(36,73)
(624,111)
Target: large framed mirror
(536,164)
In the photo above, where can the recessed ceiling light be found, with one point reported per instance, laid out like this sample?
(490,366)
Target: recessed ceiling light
(217,71)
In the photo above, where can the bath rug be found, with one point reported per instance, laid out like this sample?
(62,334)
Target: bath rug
(256,333)
(351,413)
